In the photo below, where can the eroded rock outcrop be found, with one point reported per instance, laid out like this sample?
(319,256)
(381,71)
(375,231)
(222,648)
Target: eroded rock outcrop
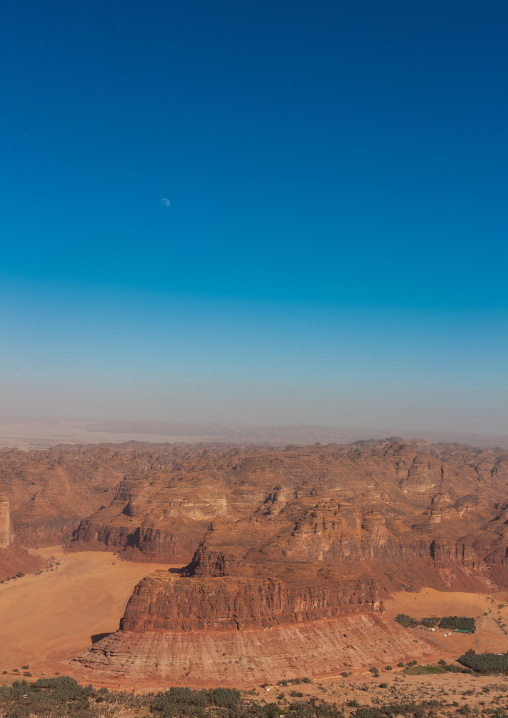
(299,545)
(5,522)
(162,511)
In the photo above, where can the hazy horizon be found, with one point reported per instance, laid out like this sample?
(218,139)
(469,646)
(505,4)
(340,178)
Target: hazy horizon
(285,213)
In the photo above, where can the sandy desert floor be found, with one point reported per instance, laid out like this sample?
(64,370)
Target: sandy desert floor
(48,618)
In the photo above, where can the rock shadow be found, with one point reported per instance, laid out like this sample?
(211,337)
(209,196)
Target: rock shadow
(99,636)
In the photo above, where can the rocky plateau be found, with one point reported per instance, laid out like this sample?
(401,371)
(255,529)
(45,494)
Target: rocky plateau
(289,553)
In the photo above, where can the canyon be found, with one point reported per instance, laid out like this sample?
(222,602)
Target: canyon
(288,554)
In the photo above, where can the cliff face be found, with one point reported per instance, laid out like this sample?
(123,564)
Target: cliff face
(157,501)
(386,500)
(5,522)
(50,491)
(161,602)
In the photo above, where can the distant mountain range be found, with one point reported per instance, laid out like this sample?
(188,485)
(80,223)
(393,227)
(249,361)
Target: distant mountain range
(37,433)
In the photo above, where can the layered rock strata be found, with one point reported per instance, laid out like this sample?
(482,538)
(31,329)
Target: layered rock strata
(5,523)
(397,500)
(237,658)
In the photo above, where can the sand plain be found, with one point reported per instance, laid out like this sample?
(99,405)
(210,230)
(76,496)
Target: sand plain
(48,618)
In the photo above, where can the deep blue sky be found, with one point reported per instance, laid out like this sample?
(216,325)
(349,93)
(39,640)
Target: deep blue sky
(335,248)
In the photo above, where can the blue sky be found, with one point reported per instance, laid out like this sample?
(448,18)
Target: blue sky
(334,250)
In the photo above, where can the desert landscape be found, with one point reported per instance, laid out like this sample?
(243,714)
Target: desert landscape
(151,566)
(253,375)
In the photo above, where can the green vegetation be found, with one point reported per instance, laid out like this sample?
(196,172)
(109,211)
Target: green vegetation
(430,622)
(485,662)
(458,623)
(455,623)
(406,621)
(63,697)
(422,670)
(419,710)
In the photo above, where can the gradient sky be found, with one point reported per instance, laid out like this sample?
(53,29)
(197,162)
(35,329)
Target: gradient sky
(335,246)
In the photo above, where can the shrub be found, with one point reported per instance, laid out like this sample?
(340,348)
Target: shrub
(388,668)
(63,687)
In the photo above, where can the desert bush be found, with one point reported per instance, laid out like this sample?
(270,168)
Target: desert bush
(224,697)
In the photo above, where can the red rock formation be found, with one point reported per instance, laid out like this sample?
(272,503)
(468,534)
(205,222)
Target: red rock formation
(162,512)
(5,522)
(233,658)
(302,546)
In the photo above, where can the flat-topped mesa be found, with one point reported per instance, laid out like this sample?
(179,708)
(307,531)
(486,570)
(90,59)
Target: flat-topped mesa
(162,602)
